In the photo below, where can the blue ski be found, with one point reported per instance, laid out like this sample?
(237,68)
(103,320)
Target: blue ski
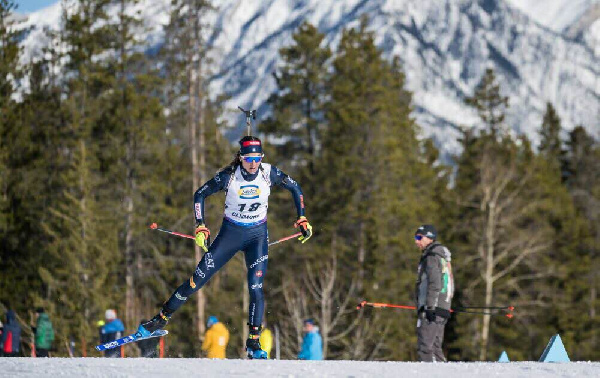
(130,339)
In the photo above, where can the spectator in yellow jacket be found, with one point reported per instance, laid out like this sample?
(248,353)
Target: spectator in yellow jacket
(215,338)
(266,341)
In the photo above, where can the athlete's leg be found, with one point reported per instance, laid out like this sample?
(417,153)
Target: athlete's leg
(256,253)
(227,243)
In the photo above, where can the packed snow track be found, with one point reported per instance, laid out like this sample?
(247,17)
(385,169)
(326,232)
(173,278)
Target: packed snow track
(181,367)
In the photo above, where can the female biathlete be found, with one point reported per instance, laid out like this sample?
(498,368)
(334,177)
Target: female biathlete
(247,183)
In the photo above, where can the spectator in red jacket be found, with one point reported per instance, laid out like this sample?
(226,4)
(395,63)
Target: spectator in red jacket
(1,343)
(11,335)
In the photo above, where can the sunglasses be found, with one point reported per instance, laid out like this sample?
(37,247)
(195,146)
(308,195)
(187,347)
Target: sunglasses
(418,237)
(252,159)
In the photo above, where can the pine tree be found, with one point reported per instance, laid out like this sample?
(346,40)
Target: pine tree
(299,103)
(13,260)
(39,170)
(371,175)
(130,127)
(9,55)
(297,118)
(84,251)
(490,104)
(82,236)
(583,181)
(25,163)
(551,145)
(194,130)
(505,195)
(187,56)
(557,207)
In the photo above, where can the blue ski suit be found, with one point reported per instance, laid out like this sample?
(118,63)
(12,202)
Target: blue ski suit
(244,229)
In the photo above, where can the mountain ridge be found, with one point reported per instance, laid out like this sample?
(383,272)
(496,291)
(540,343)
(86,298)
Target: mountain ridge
(444,50)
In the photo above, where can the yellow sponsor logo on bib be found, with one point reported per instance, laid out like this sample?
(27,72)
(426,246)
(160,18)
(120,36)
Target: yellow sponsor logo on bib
(249,192)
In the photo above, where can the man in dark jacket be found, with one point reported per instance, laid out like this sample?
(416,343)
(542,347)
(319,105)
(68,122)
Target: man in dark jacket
(44,333)
(11,335)
(433,294)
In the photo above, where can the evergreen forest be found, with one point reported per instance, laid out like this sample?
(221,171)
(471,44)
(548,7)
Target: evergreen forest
(99,138)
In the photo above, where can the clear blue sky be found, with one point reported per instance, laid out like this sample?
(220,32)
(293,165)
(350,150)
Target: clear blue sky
(26,6)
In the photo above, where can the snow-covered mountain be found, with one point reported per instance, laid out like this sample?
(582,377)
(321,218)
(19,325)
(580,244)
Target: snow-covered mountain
(445,47)
(578,19)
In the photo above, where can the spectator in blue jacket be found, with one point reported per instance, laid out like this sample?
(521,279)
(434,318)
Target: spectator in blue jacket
(113,329)
(312,344)
(11,335)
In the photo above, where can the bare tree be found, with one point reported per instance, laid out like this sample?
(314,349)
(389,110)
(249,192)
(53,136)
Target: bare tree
(333,300)
(296,305)
(506,237)
(323,291)
(188,16)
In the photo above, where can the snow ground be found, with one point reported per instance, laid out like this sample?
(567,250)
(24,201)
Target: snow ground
(180,367)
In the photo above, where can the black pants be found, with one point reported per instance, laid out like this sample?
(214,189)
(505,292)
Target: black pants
(430,336)
(254,241)
(41,352)
(113,353)
(149,347)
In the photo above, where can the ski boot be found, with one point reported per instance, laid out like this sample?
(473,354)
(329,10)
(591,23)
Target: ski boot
(253,345)
(159,321)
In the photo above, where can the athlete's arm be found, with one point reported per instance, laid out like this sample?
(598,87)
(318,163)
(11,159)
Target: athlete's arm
(212,186)
(279,178)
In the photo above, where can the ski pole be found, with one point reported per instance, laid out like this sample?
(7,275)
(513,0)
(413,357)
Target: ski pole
(154,226)
(461,310)
(286,238)
(365,303)
(510,315)
(508,308)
